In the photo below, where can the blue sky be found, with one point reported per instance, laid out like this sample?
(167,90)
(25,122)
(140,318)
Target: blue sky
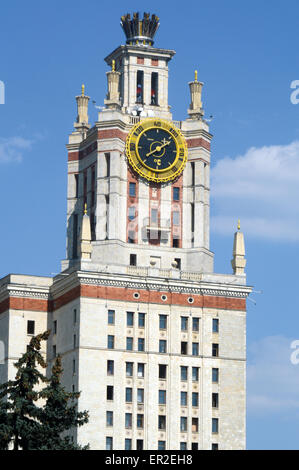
(246,54)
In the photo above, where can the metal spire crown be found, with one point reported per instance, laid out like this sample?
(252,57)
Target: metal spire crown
(140,31)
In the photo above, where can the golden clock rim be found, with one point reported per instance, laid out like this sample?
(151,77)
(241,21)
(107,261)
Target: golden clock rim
(132,160)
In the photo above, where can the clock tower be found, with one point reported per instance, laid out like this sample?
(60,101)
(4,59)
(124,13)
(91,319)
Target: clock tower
(150,335)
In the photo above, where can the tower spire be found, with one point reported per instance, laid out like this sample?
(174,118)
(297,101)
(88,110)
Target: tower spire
(195,110)
(85,239)
(239,261)
(82,110)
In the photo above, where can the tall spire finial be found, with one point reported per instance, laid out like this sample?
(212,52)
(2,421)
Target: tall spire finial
(85,208)
(195,75)
(83,89)
(239,224)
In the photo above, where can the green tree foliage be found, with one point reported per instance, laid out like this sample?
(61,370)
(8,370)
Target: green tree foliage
(28,424)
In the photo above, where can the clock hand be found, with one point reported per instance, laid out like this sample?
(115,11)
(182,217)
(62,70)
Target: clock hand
(158,148)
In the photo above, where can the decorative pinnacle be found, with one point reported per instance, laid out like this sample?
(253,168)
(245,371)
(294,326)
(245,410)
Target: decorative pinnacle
(82,89)
(239,225)
(113,66)
(85,208)
(195,76)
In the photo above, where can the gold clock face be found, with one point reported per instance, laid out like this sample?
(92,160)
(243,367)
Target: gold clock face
(156,150)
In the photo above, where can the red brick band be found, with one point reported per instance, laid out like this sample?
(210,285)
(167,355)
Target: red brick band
(126,295)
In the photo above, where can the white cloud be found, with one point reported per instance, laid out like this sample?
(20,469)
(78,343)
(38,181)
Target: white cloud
(261,188)
(272,379)
(12,148)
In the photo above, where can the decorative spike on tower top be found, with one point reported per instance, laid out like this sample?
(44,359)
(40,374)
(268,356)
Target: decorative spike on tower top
(140,31)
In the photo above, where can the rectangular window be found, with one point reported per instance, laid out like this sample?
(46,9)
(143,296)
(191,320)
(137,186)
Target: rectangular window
(215,425)
(55,327)
(194,446)
(75,316)
(184,347)
(215,350)
(192,223)
(162,397)
(54,353)
(132,213)
(183,398)
(214,446)
(162,371)
(184,372)
(139,444)
(131,236)
(141,320)
(183,445)
(107,159)
(195,348)
(161,445)
(140,395)
(128,444)
(140,370)
(132,189)
(162,322)
(215,375)
(75,235)
(215,325)
(111,317)
(183,423)
(128,420)
(154,89)
(184,323)
(195,374)
(110,367)
(129,395)
(76,185)
(75,341)
(129,369)
(193,173)
(130,319)
(162,422)
(140,421)
(175,242)
(74,361)
(162,346)
(176,193)
(195,399)
(30,327)
(194,424)
(176,218)
(154,216)
(178,263)
(129,345)
(110,342)
(195,324)
(109,443)
(139,91)
(109,418)
(215,400)
(109,393)
(133,259)
(140,344)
